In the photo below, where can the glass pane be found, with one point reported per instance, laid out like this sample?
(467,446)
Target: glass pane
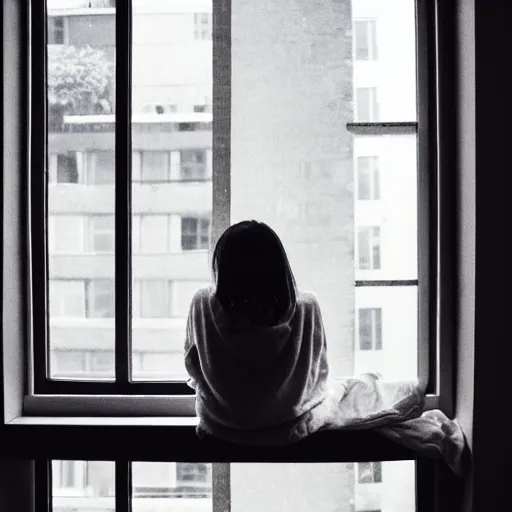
(344,487)
(83,486)
(387,211)
(386,334)
(295,86)
(172,486)
(80,170)
(171,173)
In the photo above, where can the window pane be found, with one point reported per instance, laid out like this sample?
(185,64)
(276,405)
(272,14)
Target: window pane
(386,336)
(172,486)
(386,200)
(80,138)
(335,486)
(292,158)
(384,39)
(83,486)
(172,77)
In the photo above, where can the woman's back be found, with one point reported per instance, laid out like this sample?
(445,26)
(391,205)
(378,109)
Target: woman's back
(249,378)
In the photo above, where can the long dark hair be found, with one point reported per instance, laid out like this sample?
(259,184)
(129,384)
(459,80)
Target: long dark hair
(252,273)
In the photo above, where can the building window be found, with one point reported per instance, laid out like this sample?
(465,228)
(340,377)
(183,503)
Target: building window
(368,178)
(55,30)
(100,298)
(67,298)
(67,168)
(151,234)
(155,166)
(365,39)
(369,472)
(202,26)
(195,234)
(151,298)
(367,106)
(192,165)
(368,248)
(101,234)
(370,328)
(101,168)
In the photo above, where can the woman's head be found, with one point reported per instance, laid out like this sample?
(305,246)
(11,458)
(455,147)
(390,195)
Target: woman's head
(252,273)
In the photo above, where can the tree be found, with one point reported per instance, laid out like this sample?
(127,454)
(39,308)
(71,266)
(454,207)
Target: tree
(79,82)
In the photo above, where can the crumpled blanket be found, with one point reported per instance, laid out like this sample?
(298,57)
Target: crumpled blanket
(396,411)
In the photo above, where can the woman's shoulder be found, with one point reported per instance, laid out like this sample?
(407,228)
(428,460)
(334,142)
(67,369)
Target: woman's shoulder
(307,300)
(306,297)
(202,294)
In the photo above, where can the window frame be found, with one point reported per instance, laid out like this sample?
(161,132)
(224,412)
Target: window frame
(36,440)
(39,387)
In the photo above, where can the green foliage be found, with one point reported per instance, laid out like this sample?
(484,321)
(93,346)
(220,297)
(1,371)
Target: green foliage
(79,80)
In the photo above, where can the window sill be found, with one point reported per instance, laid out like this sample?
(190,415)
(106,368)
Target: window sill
(174,439)
(122,409)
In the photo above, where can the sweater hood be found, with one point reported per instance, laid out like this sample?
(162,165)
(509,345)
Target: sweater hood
(253,345)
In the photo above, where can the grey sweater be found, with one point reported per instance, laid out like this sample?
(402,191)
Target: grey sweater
(256,385)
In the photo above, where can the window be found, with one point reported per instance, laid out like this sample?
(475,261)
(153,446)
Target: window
(193,165)
(155,166)
(67,171)
(67,299)
(287,157)
(368,177)
(78,483)
(151,298)
(365,39)
(101,234)
(367,105)
(202,26)
(100,298)
(277,125)
(370,328)
(195,233)
(101,168)
(369,472)
(368,248)
(265,486)
(56,30)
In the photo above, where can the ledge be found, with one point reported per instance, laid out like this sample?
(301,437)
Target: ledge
(175,439)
